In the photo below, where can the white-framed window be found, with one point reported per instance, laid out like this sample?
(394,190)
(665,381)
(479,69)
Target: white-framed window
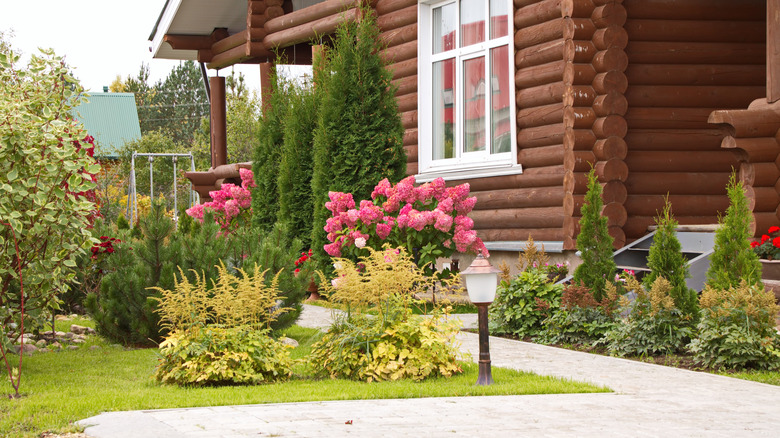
(464,129)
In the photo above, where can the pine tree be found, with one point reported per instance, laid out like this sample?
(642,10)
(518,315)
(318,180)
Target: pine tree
(594,243)
(268,154)
(358,140)
(733,260)
(666,260)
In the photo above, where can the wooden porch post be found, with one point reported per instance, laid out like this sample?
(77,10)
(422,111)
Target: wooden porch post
(266,70)
(218,121)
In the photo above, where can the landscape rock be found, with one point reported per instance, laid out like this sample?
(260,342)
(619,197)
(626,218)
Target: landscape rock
(78,341)
(61,318)
(28,348)
(94,347)
(288,341)
(73,347)
(41,343)
(69,335)
(55,345)
(78,329)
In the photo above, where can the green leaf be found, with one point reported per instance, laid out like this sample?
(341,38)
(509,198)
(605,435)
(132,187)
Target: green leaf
(70,263)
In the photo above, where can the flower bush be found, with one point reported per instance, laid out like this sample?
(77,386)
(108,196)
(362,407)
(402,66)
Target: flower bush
(429,221)
(769,246)
(301,262)
(523,302)
(231,204)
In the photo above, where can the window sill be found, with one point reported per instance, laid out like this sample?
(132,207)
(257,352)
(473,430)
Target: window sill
(469,173)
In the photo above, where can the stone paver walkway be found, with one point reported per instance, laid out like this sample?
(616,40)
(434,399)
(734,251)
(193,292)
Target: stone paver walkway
(649,401)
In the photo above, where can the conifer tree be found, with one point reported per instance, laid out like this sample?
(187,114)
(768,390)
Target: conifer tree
(733,260)
(358,140)
(594,242)
(295,169)
(268,154)
(665,259)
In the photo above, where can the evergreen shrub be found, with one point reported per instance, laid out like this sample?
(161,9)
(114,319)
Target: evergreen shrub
(580,319)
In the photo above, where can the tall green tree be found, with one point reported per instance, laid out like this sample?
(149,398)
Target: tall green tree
(594,242)
(268,154)
(733,260)
(358,140)
(665,259)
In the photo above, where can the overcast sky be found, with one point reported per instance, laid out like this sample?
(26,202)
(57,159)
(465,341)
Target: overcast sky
(99,39)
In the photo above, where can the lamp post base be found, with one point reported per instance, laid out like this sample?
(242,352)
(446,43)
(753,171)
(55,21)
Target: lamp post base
(485,375)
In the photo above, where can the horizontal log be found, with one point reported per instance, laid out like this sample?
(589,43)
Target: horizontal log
(540,74)
(309,14)
(537,217)
(615,213)
(611,103)
(542,95)
(638,226)
(189,42)
(613,192)
(542,11)
(579,139)
(539,177)
(409,119)
(696,74)
(230,57)
(308,31)
(405,85)
(614,125)
(541,156)
(384,7)
(578,117)
(675,29)
(748,123)
(410,137)
(683,96)
(540,115)
(762,199)
(256,6)
(579,51)
(399,53)
(613,169)
(270,13)
(404,68)
(677,183)
(539,54)
(411,153)
(230,42)
(612,147)
(407,102)
(759,174)
(682,161)
(610,14)
(610,82)
(578,29)
(579,95)
(398,36)
(674,139)
(579,161)
(521,234)
(609,37)
(578,74)
(727,10)
(760,149)
(613,58)
(537,136)
(652,52)
(519,198)
(396,19)
(682,205)
(539,33)
(762,221)
(412,168)
(577,8)
(667,118)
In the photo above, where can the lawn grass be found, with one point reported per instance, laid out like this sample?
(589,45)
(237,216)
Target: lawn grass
(768,377)
(61,388)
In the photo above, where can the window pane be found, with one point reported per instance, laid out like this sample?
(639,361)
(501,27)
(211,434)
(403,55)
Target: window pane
(499,18)
(443,109)
(472,19)
(474,104)
(500,112)
(444,23)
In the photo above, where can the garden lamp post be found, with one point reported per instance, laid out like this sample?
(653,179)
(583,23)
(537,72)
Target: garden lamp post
(481,282)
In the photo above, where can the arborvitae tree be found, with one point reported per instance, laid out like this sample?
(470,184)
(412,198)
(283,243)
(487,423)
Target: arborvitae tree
(733,260)
(295,170)
(666,260)
(358,140)
(123,311)
(268,154)
(594,243)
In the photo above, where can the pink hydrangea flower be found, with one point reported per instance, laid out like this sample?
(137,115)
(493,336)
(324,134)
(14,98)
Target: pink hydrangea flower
(383,230)
(465,206)
(247,178)
(443,223)
(381,189)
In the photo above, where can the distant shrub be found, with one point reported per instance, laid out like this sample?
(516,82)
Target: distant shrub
(580,319)
(523,302)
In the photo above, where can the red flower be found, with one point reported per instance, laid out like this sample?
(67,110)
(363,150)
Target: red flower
(764,238)
(754,244)
(773,229)
(776,242)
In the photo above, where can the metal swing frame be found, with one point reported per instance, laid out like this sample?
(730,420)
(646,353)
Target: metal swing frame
(132,194)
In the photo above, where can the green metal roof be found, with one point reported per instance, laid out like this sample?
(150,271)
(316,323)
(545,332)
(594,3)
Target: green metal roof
(112,119)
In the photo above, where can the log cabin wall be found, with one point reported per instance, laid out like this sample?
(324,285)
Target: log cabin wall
(686,59)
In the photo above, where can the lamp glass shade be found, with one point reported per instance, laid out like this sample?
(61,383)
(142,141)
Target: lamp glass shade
(481,287)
